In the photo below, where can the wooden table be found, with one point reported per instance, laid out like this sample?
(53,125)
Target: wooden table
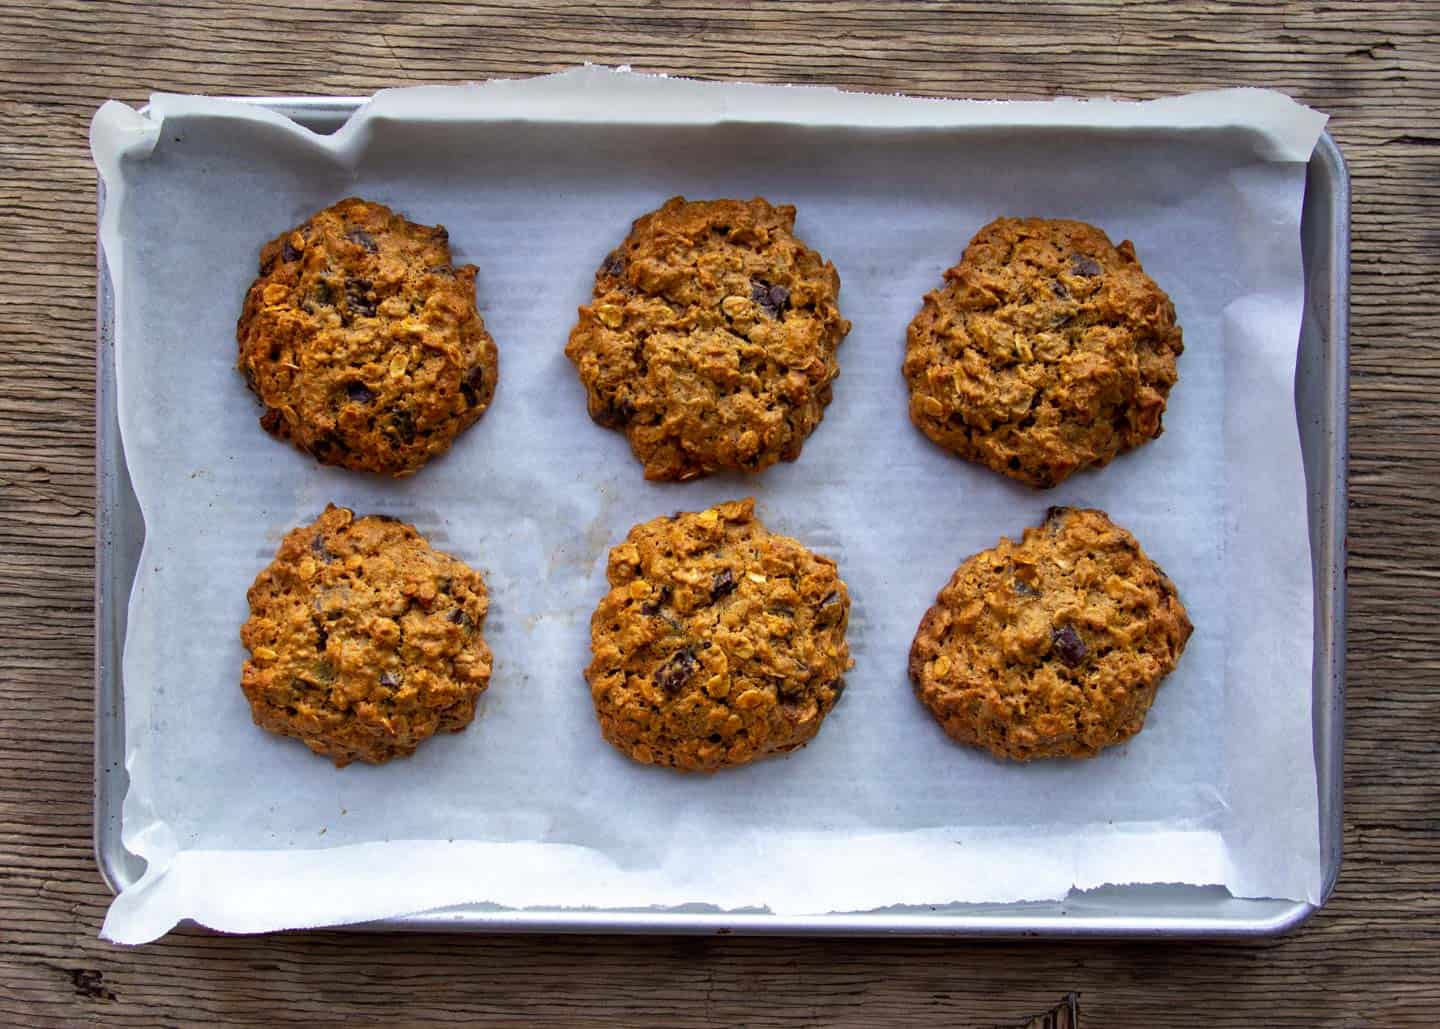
(1370,958)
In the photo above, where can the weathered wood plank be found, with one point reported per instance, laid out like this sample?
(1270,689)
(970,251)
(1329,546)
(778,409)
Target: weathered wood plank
(1371,958)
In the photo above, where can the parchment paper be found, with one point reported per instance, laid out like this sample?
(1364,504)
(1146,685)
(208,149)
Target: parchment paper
(536,180)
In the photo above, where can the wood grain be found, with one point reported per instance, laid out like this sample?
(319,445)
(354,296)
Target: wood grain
(1371,958)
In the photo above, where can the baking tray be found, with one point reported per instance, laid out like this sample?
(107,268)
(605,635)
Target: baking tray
(1321,401)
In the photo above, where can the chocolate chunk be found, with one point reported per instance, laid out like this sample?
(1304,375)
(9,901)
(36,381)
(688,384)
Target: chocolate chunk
(323,295)
(356,297)
(1083,265)
(616,414)
(362,238)
(1056,513)
(1024,589)
(652,606)
(271,420)
(444,586)
(722,585)
(770,299)
(676,672)
(321,446)
(402,425)
(1068,644)
(1058,288)
(288,252)
(788,689)
(318,548)
(614,265)
(322,634)
(388,680)
(460,618)
(471,385)
(839,687)
(359,393)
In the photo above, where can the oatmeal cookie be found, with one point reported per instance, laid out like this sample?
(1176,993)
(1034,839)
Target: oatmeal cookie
(711,338)
(363,341)
(1052,647)
(1046,350)
(363,640)
(719,641)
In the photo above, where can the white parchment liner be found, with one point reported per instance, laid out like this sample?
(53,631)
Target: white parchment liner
(536,180)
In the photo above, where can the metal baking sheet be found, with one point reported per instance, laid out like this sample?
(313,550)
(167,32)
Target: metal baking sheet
(1135,911)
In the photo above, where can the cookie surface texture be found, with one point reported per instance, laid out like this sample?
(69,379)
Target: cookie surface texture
(363,341)
(718,643)
(711,338)
(363,640)
(1046,350)
(1053,646)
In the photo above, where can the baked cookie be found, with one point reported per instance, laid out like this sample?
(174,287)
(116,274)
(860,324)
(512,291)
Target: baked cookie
(711,339)
(719,641)
(1046,350)
(364,641)
(1052,647)
(363,342)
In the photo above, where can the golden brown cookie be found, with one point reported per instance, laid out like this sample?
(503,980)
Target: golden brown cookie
(364,641)
(1046,350)
(363,341)
(719,641)
(711,339)
(1052,647)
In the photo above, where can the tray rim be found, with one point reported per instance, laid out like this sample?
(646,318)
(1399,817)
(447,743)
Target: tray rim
(1058,920)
